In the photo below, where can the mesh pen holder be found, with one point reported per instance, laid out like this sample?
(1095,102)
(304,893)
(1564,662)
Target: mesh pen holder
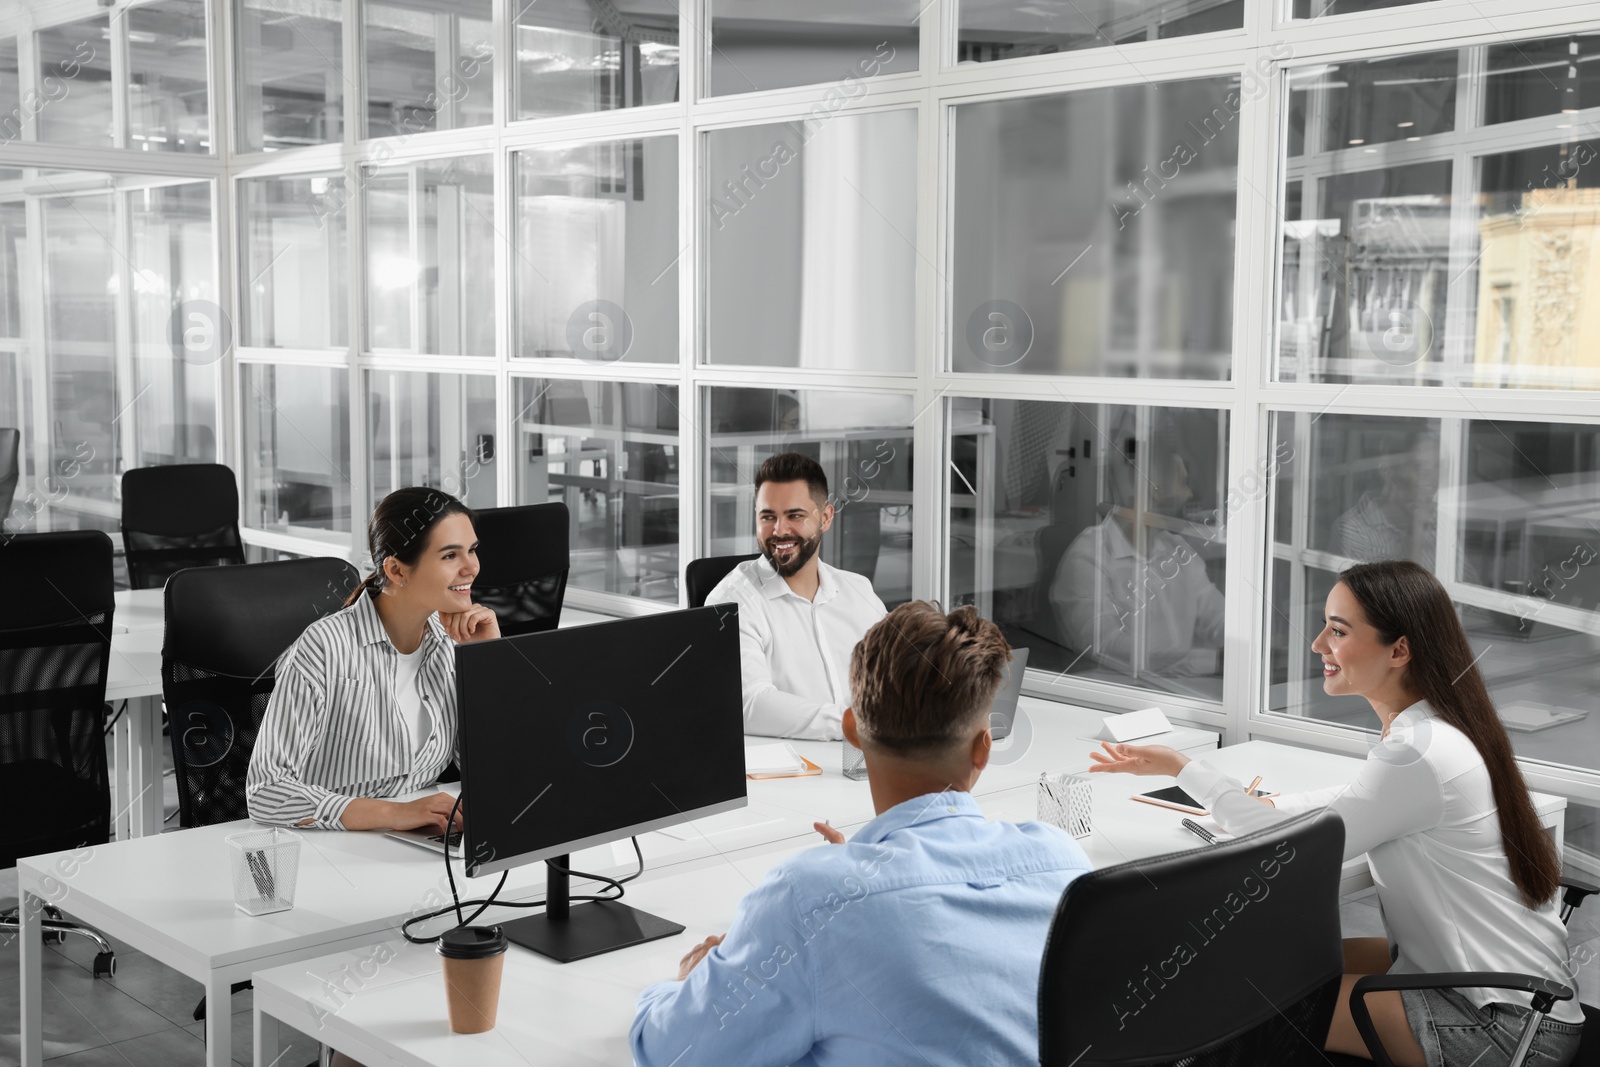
(1067,801)
(854,764)
(265,865)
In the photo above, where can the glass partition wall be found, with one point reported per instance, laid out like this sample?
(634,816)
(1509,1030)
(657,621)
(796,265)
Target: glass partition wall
(1130,324)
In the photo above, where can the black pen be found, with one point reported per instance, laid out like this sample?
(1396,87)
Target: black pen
(1199,831)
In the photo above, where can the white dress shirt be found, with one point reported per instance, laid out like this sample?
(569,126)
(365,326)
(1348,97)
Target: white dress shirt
(1102,589)
(794,653)
(334,729)
(1423,811)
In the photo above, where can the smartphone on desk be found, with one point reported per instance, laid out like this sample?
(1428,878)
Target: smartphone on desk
(1177,799)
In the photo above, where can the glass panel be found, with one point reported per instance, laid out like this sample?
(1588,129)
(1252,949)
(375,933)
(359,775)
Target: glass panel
(757,45)
(1095,536)
(1388,278)
(1365,487)
(1002,29)
(428,67)
(447,208)
(294,261)
(179,336)
(597,251)
(810,249)
(575,56)
(1315,9)
(1094,232)
(291,74)
(296,449)
(864,442)
(169,107)
(431,429)
(609,450)
(10,92)
(74,105)
(81,284)
(1555,76)
(13,261)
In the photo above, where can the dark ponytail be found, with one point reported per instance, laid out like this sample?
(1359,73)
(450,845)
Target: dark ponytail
(1401,598)
(400,527)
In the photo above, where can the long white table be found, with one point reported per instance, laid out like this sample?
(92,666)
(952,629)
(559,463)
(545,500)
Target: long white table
(170,895)
(384,1005)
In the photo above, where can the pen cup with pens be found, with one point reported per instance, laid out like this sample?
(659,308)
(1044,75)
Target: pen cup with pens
(1067,801)
(265,865)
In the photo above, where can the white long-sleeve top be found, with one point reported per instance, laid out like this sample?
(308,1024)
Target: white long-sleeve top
(794,653)
(1422,809)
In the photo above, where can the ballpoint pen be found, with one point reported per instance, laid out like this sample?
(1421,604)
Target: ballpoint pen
(1250,789)
(1199,831)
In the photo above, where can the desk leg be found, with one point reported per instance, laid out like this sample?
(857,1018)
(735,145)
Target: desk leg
(219,1023)
(266,1039)
(148,811)
(122,774)
(31,950)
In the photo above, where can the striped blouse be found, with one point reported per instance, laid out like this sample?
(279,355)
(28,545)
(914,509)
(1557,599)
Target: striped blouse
(333,730)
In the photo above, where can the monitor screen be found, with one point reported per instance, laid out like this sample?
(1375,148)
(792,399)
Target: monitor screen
(1003,713)
(576,737)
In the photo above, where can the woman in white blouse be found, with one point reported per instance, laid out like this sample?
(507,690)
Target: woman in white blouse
(365,703)
(1467,879)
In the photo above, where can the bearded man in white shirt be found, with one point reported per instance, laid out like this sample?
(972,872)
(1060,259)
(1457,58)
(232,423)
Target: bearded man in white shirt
(799,618)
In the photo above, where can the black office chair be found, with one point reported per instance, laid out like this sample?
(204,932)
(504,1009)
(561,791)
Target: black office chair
(702,575)
(225,629)
(53,704)
(186,515)
(10,469)
(1545,992)
(523,558)
(1227,953)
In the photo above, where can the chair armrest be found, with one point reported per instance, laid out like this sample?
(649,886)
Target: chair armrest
(1545,994)
(1575,890)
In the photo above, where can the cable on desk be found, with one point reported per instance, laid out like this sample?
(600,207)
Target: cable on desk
(490,901)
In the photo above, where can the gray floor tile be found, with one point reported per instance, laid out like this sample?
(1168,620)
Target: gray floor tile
(296,1049)
(173,1047)
(80,1012)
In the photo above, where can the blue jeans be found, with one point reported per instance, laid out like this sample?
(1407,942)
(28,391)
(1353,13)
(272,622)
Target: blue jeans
(1454,1032)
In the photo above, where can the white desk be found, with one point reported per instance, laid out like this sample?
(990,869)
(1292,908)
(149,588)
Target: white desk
(384,1005)
(139,609)
(169,895)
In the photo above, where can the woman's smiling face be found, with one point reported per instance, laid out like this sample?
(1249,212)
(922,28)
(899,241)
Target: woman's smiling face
(442,578)
(1355,661)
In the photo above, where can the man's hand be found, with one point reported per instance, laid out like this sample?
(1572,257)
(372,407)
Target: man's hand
(829,834)
(477,623)
(1138,759)
(697,954)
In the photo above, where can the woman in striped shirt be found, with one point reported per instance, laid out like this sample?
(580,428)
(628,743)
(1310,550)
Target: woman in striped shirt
(365,703)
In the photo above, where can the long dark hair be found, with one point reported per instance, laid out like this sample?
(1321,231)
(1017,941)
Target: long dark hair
(1401,598)
(400,527)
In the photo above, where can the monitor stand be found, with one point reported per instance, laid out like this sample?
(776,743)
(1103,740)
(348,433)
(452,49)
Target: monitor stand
(566,933)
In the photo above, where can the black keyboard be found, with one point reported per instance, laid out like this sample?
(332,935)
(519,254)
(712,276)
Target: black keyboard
(450,840)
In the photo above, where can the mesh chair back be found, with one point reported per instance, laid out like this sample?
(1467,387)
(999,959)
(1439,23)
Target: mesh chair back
(53,690)
(10,469)
(702,575)
(225,629)
(185,515)
(523,558)
(1226,953)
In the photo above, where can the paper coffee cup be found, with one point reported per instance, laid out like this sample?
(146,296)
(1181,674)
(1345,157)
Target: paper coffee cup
(473,958)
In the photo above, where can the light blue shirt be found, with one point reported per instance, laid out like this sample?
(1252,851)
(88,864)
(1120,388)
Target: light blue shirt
(918,943)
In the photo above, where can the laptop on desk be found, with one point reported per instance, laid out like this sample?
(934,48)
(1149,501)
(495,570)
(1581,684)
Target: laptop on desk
(432,840)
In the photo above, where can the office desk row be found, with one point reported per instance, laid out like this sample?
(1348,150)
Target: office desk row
(170,895)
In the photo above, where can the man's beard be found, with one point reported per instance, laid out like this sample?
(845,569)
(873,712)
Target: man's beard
(804,550)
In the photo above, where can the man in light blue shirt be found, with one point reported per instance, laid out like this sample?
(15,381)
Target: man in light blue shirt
(918,942)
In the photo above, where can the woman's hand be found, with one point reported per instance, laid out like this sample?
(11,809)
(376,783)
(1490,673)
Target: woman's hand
(425,813)
(477,623)
(1139,759)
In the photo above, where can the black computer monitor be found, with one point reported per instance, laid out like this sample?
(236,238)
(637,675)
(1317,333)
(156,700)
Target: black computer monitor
(578,737)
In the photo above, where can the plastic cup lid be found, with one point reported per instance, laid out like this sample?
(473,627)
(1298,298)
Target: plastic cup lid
(472,943)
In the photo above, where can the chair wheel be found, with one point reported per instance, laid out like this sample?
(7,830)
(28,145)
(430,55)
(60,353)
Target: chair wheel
(105,963)
(54,937)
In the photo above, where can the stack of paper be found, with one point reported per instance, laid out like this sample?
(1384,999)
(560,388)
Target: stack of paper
(776,758)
